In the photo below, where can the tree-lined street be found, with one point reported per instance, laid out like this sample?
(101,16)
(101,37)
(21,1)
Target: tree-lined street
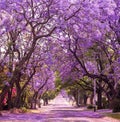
(48,47)
(59,110)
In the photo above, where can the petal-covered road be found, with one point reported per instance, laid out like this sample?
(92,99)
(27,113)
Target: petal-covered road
(59,110)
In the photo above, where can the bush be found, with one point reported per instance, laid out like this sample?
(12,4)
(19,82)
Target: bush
(15,110)
(115,105)
(23,109)
(105,103)
(90,107)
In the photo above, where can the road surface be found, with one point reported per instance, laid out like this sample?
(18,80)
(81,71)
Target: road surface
(59,110)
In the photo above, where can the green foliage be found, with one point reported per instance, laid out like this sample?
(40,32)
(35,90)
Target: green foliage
(114,115)
(51,94)
(20,110)
(26,97)
(23,109)
(72,86)
(105,103)
(58,82)
(3,76)
(58,85)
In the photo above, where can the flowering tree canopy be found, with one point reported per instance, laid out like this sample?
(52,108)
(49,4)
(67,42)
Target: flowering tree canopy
(77,38)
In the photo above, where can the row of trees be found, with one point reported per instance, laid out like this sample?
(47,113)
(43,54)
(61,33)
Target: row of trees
(24,30)
(79,39)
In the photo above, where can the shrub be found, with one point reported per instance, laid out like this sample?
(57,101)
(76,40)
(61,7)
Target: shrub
(15,110)
(105,103)
(23,109)
(90,107)
(115,105)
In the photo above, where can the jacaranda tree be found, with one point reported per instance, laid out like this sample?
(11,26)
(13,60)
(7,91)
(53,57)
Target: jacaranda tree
(79,39)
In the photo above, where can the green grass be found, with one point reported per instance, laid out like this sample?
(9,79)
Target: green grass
(114,115)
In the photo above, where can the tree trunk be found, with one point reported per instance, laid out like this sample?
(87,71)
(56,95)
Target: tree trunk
(85,99)
(9,102)
(99,100)
(91,99)
(34,100)
(39,103)
(17,100)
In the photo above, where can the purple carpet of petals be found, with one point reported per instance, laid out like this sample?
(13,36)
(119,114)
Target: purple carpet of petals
(59,110)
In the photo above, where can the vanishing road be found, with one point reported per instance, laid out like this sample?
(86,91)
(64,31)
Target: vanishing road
(59,110)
